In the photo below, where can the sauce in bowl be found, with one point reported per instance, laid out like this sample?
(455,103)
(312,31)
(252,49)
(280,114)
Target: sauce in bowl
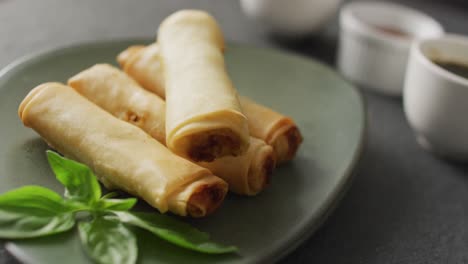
(393,31)
(454,67)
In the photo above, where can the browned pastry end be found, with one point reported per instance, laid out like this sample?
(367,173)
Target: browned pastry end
(206,199)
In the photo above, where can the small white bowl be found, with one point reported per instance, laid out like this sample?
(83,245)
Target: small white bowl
(435,99)
(292,17)
(372,57)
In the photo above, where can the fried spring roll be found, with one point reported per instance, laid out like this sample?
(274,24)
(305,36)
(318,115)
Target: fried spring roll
(249,173)
(143,64)
(204,120)
(117,93)
(151,77)
(122,155)
(276,129)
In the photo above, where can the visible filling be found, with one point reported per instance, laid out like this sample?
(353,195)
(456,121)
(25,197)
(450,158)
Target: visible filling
(268,168)
(133,118)
(260,173)
(294,141)
(205,200)
(207,146)
(287,143)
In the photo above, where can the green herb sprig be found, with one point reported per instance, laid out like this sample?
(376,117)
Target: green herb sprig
(35,211)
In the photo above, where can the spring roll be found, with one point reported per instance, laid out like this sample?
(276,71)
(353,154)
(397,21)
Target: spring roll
(143,64)
(144,67)
(277,130)
(249,173)
(204,120)
(122,155)
(117,93)
(131,105)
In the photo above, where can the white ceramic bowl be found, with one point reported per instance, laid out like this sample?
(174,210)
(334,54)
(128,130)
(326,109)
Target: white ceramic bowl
(435,99)
(291,17)
(375,59)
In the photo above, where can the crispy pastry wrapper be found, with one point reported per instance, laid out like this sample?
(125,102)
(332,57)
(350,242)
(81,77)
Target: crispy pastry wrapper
(122,155)
(276,129)
(204,120)
(144,67)
(117,93)
(105,86)
(247,174)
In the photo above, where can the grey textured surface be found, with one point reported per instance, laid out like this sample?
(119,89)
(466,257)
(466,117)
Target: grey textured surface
(405,206)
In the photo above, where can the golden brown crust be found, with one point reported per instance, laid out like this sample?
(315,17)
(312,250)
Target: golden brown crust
(294,141)
(260,174)
(125,56)
(286,142)
(117,93)
(244,174)
(24,104)
(247,174)
(206,199)
(143,64)
(121,155)
(200,95)
(274,128)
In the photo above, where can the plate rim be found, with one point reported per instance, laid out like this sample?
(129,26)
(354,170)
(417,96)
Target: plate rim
(331,201)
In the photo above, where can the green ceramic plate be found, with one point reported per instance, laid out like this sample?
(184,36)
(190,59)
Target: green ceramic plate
(330,114)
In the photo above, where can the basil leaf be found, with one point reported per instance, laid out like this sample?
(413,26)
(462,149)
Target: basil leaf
(108,241)
(35,199)
(116,204)
(109,195)
(33,211)
(174,231)
(25,225)
(80,182)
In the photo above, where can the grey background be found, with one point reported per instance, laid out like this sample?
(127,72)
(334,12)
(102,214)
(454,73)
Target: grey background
(405,205)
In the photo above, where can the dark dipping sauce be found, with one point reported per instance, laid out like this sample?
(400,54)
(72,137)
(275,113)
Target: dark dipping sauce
(393,31)
(457,68)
